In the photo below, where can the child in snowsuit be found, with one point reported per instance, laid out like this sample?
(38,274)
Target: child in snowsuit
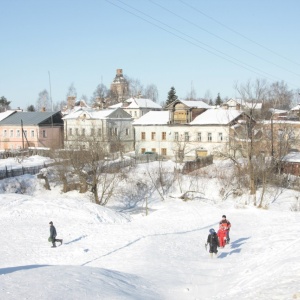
(222,236)
(213,242)
(226,224)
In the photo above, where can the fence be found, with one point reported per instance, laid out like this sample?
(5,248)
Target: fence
(13,172)
(109,166)
(200,162)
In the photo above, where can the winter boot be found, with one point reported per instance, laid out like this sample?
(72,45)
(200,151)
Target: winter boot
(54,246)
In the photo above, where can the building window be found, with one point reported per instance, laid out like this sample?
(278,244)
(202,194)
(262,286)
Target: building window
(176,136)
(143,150)
(92,131)
(18,133)
(44,133)
(199,137)
(70,131)
(143,135)
(164,135)
(164,151)
(5,133)
(32,133)
(186,136)
(76,131)
(153,134)
(127,131)
(209,137)
(220,136)
(83,132)
(99,132)
(11,133)
(116,131)
(135,114)
(153,150)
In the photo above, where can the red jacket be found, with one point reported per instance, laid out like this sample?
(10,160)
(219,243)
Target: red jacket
(225,224)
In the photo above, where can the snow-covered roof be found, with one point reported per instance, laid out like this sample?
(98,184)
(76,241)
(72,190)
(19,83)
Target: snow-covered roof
(216,117)
(297,107)
(236,100)
(142,103)
(153,118)
(116,105)
(135,103)
(249,104)
(277,111)
(194,103)
(254,105)
(6,114)
(292,157)
(93,114)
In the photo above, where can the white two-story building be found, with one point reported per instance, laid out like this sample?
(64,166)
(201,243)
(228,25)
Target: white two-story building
(110,129)
(207,133)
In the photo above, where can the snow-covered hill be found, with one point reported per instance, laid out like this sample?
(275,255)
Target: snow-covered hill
(109,253)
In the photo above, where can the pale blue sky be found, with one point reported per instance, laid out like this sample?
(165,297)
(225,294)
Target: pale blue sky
(159,42)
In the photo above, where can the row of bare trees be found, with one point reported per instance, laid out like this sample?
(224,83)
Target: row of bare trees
(102,96)
(258,157)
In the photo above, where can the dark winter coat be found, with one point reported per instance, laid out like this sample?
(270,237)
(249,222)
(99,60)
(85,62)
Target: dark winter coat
(213,239)
(52,232)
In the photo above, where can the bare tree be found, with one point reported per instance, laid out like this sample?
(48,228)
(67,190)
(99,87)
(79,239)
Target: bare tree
(135,87)
(252,93)
(60,105)
(100,96)
(71,91)
(182,146)
(161,178)
(43,101)
(151,92)
(191,95)
(87,158)
(280,96)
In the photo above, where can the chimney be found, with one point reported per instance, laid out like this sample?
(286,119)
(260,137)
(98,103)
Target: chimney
(71,102)
(119,72)
(43,109)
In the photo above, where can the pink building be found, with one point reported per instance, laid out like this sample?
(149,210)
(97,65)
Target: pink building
(21,130)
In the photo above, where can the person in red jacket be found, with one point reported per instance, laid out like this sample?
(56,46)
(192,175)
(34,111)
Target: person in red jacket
(227,225)
(222,236)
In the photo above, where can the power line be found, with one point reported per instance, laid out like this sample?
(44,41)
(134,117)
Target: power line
(238,33)
(240,63)
(230,43)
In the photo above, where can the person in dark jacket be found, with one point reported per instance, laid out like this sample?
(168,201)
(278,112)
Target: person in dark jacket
(226,225)
(53,235)
(213,242)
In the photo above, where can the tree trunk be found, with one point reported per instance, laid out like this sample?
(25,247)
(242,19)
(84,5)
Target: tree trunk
(95,193)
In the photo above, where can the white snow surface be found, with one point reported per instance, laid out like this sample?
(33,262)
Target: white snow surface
(111,253)
(217,116)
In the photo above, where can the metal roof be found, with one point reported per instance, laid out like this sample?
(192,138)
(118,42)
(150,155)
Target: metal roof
(28,118)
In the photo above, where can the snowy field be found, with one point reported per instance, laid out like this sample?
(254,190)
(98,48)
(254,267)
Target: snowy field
(111,253)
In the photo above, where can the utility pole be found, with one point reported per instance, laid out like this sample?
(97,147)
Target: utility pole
(50,92)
